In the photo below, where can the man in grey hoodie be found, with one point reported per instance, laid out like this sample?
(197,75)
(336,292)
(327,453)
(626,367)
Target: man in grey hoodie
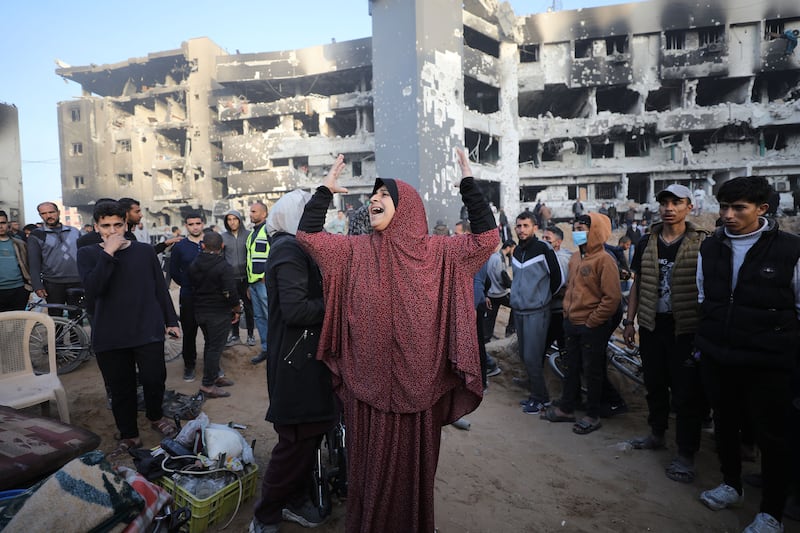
(235,239)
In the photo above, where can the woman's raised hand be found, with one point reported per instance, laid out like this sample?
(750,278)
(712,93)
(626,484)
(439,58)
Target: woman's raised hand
(463,163)
(331,181)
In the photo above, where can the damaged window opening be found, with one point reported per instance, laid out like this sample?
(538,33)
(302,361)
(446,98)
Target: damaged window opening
(75,114)
(778,26)
(528,193)
(263,124)
(700,141)
(125,179)
(713,91)
(480,97)
(557,101)
(551,151)
(603,150)
(605,191)
(482,147)
(478,41)
(124,145)
(708,36)
(342,124)
(280,162)
(638,147)
(77,149)
(79,182)
(307,123)
(529,153)
(617,100)
(220,187)
(776,86)
(529,53)
(616,45)
(357,168)
(663,99)
(773,140)
(676,40)
(639,188)
(583,48)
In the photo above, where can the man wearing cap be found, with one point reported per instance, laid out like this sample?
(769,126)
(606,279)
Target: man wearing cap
(664,297)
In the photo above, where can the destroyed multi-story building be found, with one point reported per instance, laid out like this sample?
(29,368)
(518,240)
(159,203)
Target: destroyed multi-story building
(607,104)
(11,200)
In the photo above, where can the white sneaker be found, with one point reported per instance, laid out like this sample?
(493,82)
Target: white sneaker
(721,497)
(764,523)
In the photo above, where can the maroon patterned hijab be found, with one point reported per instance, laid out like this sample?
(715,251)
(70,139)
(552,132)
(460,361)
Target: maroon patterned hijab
(399,327)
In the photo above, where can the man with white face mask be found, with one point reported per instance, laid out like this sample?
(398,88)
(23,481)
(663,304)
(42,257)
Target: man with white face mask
(537,277)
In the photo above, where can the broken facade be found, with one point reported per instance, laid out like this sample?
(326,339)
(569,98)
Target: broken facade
(603,104)
(11,200)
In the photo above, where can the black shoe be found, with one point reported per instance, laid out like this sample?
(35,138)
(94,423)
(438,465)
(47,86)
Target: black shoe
(607,410)
(259,358)
(307,515)
(188,374)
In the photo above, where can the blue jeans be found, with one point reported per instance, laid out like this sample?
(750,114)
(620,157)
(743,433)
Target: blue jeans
(258,294)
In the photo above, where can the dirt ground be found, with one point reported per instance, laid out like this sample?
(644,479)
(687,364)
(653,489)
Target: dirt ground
(511,472)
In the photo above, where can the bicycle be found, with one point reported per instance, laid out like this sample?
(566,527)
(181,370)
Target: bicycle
(73,345)
(73,342)
(626,360)
(330,468)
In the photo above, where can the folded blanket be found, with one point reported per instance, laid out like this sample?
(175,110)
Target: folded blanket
(84,495)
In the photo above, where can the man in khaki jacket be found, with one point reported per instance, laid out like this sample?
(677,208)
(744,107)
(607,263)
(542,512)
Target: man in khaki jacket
(664,297)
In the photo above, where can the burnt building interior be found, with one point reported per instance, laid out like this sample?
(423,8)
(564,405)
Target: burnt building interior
(607,104)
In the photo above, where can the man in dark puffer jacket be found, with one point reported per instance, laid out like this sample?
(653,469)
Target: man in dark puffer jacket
(747,341)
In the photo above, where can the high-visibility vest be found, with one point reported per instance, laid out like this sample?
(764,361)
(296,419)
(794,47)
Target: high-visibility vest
(257,252)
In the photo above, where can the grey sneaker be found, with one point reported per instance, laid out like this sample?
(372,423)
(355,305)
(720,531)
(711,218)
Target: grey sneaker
(722,497)
(188,374)
(764,523)
(307,515)
(233,340)
(494,372)
(260,527)
(251,341)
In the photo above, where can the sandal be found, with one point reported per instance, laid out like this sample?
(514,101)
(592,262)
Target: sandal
(124,446)
(551,415)
(215,392)
(650,442)
(165,426)
(584,426)
(679,471)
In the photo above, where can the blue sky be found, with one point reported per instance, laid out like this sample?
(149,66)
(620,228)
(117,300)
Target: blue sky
(83,32)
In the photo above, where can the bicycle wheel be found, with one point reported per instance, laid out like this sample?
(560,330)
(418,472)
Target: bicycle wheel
(629,366)
(72,346)
(173,348)
(558,361)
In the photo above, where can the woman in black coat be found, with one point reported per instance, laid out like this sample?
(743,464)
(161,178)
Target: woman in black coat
(301,401)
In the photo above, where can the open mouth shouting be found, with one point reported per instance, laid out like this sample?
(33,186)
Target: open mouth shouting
(381,209)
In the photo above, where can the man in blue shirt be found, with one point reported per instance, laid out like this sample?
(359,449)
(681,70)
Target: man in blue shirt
(183,253)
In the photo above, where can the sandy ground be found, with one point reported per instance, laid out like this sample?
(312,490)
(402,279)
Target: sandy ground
(511,472)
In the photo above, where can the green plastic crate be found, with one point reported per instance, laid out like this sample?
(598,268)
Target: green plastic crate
(214,509)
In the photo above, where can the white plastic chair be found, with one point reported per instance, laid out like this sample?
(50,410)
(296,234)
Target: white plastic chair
(20,387)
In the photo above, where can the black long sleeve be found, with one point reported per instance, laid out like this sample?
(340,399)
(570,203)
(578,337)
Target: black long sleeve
(313,219)
(480,215)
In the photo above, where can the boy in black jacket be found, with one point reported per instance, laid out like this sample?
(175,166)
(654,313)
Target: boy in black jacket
(215,298)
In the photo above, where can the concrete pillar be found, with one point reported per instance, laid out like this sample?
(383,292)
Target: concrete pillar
(418,90)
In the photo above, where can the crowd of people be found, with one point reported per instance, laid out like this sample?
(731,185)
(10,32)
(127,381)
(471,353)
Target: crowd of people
(715,314)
